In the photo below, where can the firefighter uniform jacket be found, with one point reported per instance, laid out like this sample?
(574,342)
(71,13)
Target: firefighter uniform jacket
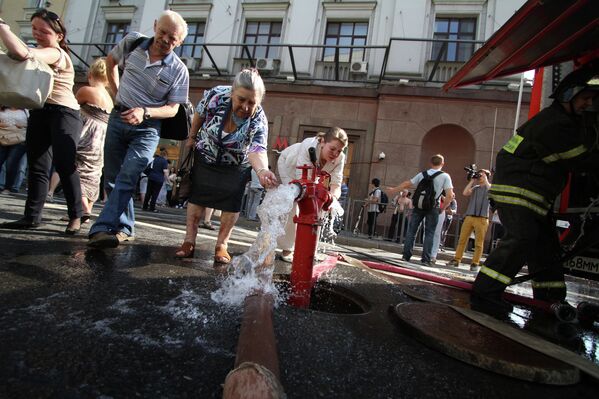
(532,168)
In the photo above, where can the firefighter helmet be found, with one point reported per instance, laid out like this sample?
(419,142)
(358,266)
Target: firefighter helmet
(584,78)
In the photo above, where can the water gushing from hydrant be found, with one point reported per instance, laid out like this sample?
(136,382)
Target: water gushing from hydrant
(252,271)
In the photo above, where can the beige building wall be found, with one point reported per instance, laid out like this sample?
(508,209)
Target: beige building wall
(18,12)
(408,124)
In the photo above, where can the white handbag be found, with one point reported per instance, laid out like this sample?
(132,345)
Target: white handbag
(24,84)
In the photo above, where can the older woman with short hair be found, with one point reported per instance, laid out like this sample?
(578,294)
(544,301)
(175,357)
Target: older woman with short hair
(229,137)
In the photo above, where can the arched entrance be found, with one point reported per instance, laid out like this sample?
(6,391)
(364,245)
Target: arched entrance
(457,146)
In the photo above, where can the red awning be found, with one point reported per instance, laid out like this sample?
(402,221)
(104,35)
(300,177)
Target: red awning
(541,33)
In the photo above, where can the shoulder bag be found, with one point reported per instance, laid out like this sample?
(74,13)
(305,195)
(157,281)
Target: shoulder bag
(183,182)
(177,127)
(24,84)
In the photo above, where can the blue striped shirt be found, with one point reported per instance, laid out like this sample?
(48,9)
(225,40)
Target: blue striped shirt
(149,85)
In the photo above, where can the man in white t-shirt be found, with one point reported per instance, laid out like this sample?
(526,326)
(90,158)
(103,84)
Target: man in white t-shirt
(441,182)
(372,204)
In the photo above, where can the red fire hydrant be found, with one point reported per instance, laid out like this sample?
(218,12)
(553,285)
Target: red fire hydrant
(314,196)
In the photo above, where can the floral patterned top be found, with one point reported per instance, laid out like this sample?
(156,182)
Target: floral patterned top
(233,148)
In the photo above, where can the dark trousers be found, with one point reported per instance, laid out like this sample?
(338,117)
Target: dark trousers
(395,226)
(371,222)
(528,239)
(52,136)
(152,194)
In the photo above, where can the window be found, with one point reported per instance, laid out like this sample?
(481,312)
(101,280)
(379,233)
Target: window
(454,28)
(262,33)
(114,33)
(195,35)
(345,33)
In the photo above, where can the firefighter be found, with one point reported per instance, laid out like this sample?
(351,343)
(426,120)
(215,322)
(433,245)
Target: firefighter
(531,171)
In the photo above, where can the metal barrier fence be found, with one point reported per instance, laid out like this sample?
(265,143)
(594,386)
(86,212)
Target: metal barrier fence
(356,216)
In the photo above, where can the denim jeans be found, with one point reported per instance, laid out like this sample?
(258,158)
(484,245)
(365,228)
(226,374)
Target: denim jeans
(430,223)
(13,163)
(128,150)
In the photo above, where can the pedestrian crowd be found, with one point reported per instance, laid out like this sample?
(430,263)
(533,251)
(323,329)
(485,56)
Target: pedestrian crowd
(102,141)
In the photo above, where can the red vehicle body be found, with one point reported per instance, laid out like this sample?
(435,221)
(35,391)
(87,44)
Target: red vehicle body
(544,33)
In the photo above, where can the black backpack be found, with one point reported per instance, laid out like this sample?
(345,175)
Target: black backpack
(383,202)
(424,197)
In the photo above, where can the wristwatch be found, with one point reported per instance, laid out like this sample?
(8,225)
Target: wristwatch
(146,114)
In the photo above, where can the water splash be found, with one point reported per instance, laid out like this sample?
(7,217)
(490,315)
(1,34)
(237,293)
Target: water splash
(332,220)
(252,271)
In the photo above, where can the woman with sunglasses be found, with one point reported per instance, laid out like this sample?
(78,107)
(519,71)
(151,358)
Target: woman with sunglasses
(53,131)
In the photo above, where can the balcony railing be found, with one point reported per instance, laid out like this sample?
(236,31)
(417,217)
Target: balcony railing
(435,70)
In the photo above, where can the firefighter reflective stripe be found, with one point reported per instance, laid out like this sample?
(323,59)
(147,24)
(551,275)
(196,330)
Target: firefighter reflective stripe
(548,284)
(574,152)
(519,202)
(495,275)
(502,188)
(513,143)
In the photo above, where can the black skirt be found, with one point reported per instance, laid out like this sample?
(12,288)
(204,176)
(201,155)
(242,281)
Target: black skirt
(218,186)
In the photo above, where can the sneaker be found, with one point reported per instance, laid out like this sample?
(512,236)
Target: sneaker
(433,261)
(453,263)
(102,240)
(405,258)
(474,267)
(287,258)
(50,197)
(426,262)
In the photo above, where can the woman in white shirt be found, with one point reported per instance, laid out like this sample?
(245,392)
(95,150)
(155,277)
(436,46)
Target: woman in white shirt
(329,158)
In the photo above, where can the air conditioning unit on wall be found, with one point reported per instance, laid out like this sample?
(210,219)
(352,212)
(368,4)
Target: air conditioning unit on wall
(359,67)
(190,62)
(265,64)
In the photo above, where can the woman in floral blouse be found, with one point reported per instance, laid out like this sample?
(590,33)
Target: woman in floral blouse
(229,135)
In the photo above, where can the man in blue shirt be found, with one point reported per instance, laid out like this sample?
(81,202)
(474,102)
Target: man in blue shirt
(158,174)
(441,183)
(153,84)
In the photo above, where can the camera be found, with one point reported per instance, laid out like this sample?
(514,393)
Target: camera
(472,172)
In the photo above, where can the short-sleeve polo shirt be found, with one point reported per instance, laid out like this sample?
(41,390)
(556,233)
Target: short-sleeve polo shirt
(146,84)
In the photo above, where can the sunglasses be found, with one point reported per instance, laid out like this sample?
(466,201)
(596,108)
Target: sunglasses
(43,13)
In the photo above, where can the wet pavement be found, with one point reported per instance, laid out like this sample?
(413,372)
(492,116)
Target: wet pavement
(136,322)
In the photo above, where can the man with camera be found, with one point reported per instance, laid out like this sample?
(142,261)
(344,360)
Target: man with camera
(532,169)
(476,217)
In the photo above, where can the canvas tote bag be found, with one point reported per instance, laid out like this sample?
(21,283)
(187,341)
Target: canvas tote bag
(24,84)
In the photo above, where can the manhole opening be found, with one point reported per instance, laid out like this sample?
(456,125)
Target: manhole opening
(329,298)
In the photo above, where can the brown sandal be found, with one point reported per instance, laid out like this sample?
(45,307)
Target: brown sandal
(221,255)
(186,250)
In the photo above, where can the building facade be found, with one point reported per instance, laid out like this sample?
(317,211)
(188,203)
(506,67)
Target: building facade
(17,13)
(374,68)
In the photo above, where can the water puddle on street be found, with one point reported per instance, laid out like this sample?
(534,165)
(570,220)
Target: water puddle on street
(252,271)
